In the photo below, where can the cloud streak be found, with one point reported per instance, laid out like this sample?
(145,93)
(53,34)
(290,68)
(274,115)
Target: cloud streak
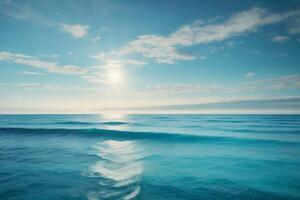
(280,83)
(32,73)
(59,88)
(36,63)
(166,49)
(280,39)
(25,12)
(249,74)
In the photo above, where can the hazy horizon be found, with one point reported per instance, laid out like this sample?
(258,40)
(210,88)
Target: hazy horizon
(283,106)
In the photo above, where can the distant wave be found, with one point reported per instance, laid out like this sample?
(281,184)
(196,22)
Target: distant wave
(261,129)
(225,121)
(108,123)
(131,135)
(111,123)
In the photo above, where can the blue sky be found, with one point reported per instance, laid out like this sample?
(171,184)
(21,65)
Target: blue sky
(94,56)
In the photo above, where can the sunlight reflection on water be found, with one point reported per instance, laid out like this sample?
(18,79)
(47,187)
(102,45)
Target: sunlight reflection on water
(119,170)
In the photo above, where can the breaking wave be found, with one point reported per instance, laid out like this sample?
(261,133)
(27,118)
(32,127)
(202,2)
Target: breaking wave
(132,135)
(119,170)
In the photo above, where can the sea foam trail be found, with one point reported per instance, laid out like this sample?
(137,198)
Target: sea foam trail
(119,170)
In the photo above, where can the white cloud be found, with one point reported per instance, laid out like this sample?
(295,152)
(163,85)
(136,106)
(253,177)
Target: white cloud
(32,73)
(34,62)
(154,47)
(166,49)
(76,30)
(280,39)
(249,74)
(111,70)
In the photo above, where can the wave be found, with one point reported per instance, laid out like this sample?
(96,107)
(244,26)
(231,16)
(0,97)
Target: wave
(132,135)
(74,123)
(116,173)
(224,121)
(122,171)
(133,194)
(110,123)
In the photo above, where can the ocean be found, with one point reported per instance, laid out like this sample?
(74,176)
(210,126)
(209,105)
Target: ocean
(149,157)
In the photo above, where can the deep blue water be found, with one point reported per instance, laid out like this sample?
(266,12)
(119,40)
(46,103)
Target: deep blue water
(47,157)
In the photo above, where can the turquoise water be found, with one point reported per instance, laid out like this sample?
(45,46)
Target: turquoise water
(46,157)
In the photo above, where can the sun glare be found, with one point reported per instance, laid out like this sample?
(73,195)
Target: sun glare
(115,75)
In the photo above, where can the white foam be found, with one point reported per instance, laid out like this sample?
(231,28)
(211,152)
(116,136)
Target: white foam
(121,166)
(127,182)
(116,147)
(133,194)
(119,174)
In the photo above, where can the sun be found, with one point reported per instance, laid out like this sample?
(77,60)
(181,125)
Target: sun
(115,75)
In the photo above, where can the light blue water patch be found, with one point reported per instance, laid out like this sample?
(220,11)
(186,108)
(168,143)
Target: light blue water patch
(149,157)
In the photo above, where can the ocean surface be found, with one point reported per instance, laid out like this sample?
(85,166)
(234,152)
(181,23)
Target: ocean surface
(151,157)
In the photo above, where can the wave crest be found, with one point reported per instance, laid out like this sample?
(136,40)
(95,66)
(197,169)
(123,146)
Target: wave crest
(119,168)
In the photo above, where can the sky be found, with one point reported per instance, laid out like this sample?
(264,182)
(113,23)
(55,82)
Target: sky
(94,56)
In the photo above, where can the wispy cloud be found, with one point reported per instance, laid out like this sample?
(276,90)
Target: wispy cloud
(32,73)
(166,49)
(76,30)
(109,71)
(36,63)
(280,39)
(25,12)
(57,87)
(21,12)
(280,83)
(249,74)
(173,89)
(50,56)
